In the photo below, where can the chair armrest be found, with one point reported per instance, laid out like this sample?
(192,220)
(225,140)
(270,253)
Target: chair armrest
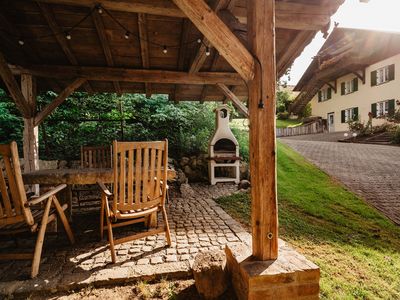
(46,195)
(104,189)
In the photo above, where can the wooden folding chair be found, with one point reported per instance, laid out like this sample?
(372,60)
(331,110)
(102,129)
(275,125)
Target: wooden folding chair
(19,215)
(139,189)
(93,157)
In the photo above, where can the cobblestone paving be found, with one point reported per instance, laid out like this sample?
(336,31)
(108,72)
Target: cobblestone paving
(197,224)
(371,171)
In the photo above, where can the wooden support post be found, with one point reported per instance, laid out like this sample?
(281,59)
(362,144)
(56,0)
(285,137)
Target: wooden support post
(261,30)
(31,131)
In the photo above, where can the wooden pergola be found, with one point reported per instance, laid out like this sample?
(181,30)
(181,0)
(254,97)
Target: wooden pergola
(214,50)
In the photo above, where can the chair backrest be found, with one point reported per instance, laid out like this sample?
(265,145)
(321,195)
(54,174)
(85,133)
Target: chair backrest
(13,201)
(96,156)
(140,174)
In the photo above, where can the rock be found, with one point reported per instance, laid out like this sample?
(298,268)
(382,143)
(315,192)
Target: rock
(62,164)
(181,177)
(187,191)
(184,161)
(244,184)
(209,273)
(244,170)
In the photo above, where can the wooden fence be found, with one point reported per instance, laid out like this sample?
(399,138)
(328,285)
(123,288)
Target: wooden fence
(311,128)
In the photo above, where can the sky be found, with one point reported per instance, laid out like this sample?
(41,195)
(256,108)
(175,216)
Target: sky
(377,14)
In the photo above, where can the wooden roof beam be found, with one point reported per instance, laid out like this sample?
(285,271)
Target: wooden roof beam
(144,48)
(13,88)
(61,39)
(235,100)
(101,33)
(288,15)
(129,75)
(220,36)
(58,100)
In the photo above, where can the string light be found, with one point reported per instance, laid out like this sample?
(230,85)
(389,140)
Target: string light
(208,51)
(21,42)
(165,50)
(68,36)
(199,41)
(99,9)
(127,35)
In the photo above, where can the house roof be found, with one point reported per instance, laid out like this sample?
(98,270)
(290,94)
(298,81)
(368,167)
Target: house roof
(347,50)
(98,41)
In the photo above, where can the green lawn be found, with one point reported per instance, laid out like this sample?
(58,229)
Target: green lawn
(288,123)
(357,249)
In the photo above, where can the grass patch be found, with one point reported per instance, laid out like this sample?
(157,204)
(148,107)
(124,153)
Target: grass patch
(288,123)
(357,249)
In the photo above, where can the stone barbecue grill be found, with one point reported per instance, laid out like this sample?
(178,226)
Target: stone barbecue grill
(223,149)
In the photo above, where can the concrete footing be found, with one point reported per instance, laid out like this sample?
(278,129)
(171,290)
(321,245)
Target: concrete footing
(291,276)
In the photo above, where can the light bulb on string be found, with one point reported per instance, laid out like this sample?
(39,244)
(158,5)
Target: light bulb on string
(127,35)
(208,51)
(67,36)
(199,41)
(99,9)
(165,50)
(21,42)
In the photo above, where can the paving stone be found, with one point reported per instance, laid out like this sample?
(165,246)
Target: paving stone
(143,261)
(156,260)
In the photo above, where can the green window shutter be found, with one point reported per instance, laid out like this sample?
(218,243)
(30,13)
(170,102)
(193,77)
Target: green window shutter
(329,93)
(391,107)
(373,110)
(373,78)
(319,96)
(343,88)
(391,72)
(355,84)
(355,113)
(343,116)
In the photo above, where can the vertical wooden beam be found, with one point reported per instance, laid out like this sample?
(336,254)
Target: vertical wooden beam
(144,48)
(31,132)
(261,34)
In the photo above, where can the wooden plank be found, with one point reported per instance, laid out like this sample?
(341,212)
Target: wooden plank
(220,36)
(58,100)
(262,130)
(60,37)
(13,88)
(144,48)
(130,75)
(101,33)
(235,100)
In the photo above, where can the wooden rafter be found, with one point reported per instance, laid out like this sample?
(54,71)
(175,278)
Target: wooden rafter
(98,23)
(221,37)
(235,100)
(58,100)
(129,75)
(359,75)
(13,88)
(307,16)
(62,41)
(144,48)
(332,86)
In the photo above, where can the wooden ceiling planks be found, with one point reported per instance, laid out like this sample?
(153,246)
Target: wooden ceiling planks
(164,25)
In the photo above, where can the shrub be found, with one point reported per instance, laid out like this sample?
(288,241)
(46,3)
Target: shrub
(242,137)
(283,115)
(396,135)
(356,126)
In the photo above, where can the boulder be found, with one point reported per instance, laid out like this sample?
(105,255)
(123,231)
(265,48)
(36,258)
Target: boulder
(184,161)
(244,184)
(209,273)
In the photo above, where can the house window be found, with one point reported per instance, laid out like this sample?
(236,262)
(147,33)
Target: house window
(383,108)
(349,114)
(324,94)
(350,86)
(382,75)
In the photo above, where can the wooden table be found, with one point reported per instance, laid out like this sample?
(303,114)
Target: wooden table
(74,176)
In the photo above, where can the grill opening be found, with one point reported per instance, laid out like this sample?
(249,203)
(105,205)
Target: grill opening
(224,145)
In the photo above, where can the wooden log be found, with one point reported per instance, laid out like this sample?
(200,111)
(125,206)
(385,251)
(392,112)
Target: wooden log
(261,29)
(130,75)
(220,36)
(144,48)
(59,99)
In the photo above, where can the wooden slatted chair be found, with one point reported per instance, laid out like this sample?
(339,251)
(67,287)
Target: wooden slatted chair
(93,157)
(139,189)
(19,215)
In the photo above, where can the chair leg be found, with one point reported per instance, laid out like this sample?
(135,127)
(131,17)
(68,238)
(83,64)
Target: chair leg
(40,239)
(111,241)
(166,226)
(64,220)
(102,215)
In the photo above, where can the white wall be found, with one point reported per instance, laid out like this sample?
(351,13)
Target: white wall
(363,98)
